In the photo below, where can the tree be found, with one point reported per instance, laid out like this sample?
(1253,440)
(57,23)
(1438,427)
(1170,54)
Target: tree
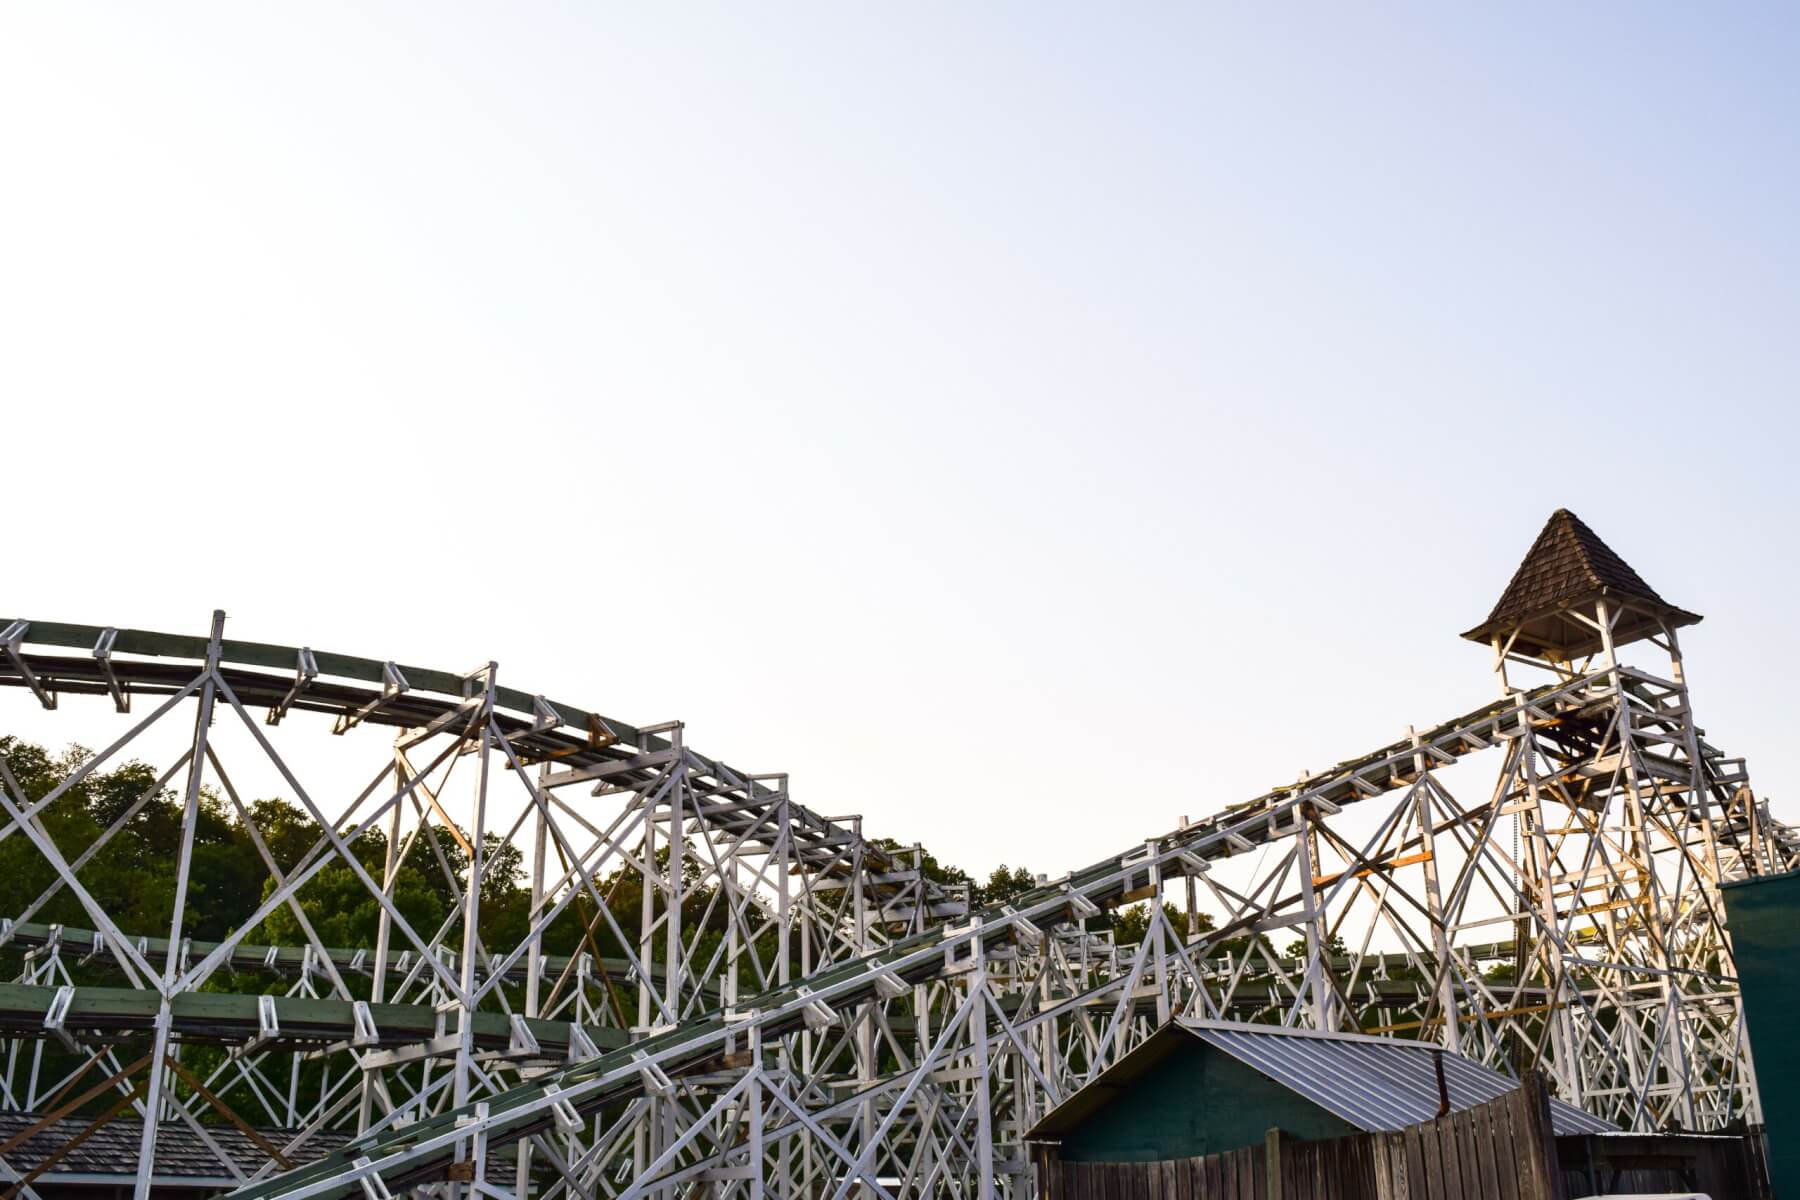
(1334,948)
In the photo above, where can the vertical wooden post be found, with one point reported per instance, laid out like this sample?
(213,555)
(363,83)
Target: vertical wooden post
(1272,1163)
(1543,1172)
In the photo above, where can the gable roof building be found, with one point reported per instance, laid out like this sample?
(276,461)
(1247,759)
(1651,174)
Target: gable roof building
(1205,1087)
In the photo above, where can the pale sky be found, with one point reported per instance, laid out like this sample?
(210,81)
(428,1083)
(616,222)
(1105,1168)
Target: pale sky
(1022,423)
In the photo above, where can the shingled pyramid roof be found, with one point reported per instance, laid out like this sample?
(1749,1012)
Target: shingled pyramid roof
(1569,567)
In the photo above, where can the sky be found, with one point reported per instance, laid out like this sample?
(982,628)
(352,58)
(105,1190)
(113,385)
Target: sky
(1023,424)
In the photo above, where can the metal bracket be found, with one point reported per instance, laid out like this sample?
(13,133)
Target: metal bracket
(543,715)
(393,686)
(655,1080)
(1080,907)
(581,1046)
(817,1014)
(1193,862)
(523,1040)
(58,1012)
(366,1033)
(267,1027)
(372,1185)
(890,986)
(305,672)
(599,733)
(568,1121)
(1024,930)
(10,638)
(103,649)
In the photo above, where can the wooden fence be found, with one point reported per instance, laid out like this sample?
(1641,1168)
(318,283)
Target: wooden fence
(1723,1167)
(1238,1175)
(1502,1150)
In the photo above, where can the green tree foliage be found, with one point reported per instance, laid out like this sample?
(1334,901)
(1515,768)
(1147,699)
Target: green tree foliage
(131,873)
(1334,948)
(1004,884)
(1131,924)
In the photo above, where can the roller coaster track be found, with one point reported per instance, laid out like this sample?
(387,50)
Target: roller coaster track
(895,1034)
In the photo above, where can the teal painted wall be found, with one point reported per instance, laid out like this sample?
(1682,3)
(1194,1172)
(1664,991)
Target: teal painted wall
(1764,918)
(1197,1101)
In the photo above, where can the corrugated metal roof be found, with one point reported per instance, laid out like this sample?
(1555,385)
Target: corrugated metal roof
(1373,1083)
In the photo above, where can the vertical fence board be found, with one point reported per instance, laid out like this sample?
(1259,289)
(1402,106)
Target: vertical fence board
(1487,1166)
(1446,1128)
(1389,1183)
(1506,1151)
(1413,1149)
(1472,1182)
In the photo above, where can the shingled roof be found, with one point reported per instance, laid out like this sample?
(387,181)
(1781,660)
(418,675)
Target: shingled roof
(1569,567)
(111,1151)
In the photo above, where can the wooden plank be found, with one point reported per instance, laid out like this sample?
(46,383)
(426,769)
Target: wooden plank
(1536,1094)
(1462,1134)
(1487,1167)
(1413,1154)
(1445,1129)
(1500,1114)
(1432,1145)
(1364,1153)
(1518,1112)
